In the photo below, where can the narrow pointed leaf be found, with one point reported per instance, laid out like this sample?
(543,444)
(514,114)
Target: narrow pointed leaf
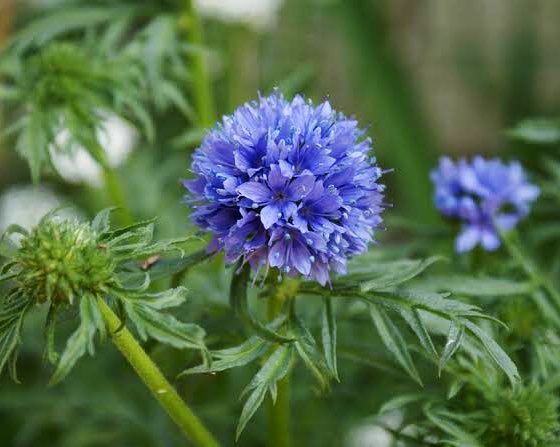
(164,327)
(238,301)
(309,352)
(495,351)
(454,338)
(414,320)
(403,271)
(80,341)
(328,336)
(274,369)
(241,355)
(12,314)
(393,341)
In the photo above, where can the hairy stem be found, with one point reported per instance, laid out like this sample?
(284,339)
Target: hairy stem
(153,378)
(279,412)
(203,97)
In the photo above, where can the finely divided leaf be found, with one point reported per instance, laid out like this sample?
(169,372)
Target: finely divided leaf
(473,286)
(393,340)
(328,336)
(162,300)
(238,301)
(81,340)
(494,350)
(230,358)
(150,322)
(414,319)
(310,354)
(12,314)
(274,369)
(397,273)
(454,338)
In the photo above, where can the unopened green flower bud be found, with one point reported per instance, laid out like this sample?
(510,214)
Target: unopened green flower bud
(524,417)
(61,260)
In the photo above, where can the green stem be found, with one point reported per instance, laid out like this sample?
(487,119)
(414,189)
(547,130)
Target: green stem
(115,192)
(530,268)
(279,412)
(152,377)
(203,97)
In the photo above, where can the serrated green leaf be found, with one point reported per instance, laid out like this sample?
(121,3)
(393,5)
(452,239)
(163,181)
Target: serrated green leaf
(399,402)
(454,338)
(238,300)
(150,322)
(414,320)
(241,355)
(274,369)
(432,302)
(446,425)
(397,273)
(471,286)
(81,341)
(393,341)
(66,19)
(309,352)
(12,314)
(161,300)
(495,351)
(328,336)
(101,223)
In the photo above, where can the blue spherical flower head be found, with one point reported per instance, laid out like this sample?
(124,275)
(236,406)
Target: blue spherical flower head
(287,184)
(485,195)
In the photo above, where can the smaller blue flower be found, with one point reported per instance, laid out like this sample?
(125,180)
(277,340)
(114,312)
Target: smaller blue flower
(485,195)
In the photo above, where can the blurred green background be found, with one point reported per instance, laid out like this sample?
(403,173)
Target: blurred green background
(426,78)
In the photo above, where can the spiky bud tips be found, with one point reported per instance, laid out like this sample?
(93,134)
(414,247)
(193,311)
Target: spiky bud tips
(525,417)
(61,260)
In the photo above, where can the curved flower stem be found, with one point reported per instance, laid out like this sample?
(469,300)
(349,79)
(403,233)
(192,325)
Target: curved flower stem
(279,412)
(153,378)
(203,97)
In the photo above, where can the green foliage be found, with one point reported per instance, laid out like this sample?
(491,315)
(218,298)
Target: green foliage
(64,73)
(64,87)
(537,131)
(64,262)
(524,417)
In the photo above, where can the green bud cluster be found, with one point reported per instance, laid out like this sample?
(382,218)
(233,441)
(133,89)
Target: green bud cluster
(61,260)
(524,417)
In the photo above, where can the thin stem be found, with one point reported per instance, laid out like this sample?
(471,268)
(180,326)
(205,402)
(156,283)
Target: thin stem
(540,279)
(279,412)
(203,97)
(113,185)
(152,377)
(115,191)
